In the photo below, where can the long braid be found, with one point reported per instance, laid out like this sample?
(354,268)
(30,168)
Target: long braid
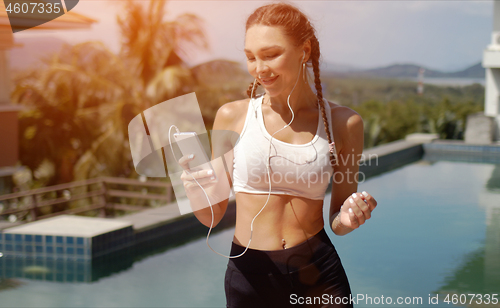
(252,88)
(315,53)
(298,29)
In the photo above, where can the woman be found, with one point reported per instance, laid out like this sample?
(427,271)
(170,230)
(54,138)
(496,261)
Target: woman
(280,170)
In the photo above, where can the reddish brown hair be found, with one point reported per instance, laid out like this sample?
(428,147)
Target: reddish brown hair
(299,30)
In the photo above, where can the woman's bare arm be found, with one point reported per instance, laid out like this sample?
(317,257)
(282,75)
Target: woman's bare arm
(349,128)
(228,123)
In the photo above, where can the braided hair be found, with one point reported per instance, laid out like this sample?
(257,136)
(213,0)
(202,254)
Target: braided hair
(297,27)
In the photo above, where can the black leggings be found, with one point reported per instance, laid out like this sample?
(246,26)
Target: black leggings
(309,273)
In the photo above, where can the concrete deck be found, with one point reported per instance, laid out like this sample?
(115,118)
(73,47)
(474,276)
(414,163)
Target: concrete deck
(69,225)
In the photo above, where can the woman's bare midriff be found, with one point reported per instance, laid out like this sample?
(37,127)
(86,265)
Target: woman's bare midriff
(289,218)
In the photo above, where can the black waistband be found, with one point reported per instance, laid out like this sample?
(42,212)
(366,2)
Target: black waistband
(283,261)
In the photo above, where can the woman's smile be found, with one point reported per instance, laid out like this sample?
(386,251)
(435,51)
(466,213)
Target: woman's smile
(268,81)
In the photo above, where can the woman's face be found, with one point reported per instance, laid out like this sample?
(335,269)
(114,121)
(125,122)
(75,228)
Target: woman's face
(272,59)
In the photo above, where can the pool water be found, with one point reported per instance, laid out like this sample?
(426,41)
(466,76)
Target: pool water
(436,230)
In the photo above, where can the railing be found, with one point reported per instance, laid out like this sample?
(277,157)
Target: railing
(103,196)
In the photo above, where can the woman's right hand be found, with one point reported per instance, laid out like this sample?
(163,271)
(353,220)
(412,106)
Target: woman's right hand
(204,176)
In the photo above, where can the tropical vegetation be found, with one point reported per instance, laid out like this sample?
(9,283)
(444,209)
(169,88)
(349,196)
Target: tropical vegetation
(79,104)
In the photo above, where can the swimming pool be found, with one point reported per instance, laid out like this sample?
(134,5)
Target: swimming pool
(436,229)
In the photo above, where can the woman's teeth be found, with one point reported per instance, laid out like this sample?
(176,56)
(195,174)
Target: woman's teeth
(268,81)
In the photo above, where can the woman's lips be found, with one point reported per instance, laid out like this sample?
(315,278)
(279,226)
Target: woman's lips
(267,81)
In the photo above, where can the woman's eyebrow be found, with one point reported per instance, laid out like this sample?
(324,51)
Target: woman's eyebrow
(264,48)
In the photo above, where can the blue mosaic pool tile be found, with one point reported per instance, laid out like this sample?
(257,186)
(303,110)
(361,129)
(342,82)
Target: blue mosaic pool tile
(9,274)
(28,259)
(462,152)
(63,248)
(59,266)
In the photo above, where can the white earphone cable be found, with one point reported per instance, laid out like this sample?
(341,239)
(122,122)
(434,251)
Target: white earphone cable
(268,174)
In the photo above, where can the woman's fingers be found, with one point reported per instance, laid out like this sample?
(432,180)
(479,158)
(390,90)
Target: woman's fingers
(203,178)
(184,161)
(354,201)
(202,174)
(359,208)
(362,208)
(353,219)
(372,203)
(363,205)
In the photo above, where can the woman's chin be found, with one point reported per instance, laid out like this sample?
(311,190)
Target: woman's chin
(271,92)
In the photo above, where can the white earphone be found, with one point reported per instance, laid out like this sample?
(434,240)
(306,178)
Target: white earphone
(267,167)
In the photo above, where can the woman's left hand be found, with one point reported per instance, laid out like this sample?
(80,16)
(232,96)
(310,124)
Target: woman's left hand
(356,209)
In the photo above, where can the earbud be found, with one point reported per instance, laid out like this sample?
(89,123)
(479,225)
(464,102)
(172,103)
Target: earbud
(303,57)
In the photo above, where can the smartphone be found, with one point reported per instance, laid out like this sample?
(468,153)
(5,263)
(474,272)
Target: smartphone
(189,143)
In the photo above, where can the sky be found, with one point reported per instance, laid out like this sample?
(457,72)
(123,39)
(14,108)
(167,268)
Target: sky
(445,35)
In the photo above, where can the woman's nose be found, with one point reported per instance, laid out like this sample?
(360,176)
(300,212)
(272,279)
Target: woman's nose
(261,67)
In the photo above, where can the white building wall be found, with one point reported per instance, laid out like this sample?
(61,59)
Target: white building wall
(492,98)
(491,62)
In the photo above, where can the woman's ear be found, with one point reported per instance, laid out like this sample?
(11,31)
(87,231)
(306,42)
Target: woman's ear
(307,49)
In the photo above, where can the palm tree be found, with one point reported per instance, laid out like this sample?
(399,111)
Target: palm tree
(78,97)
(81,101)
(156,49)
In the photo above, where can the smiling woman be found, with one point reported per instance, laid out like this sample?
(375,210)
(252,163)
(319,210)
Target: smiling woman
(281,167)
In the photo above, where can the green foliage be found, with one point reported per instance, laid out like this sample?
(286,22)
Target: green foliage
(78,96)
(386,122)
(155,48)
(391,109)
(79,103)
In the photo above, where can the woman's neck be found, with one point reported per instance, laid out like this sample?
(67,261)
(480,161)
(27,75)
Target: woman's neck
(301,98)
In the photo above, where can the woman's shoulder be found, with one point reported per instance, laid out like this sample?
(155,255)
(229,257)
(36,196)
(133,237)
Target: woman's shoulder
(232,115)
(344,116)
(346,122)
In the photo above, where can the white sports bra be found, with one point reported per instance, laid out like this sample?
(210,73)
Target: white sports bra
(302,170)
